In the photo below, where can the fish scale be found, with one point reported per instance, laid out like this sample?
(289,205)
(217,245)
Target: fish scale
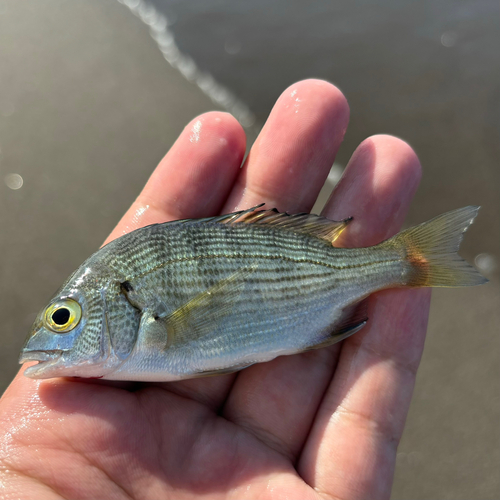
(200,297)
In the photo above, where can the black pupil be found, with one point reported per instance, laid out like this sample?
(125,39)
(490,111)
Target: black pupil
(61,316)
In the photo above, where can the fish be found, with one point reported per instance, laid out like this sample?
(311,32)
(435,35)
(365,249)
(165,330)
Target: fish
(201,297)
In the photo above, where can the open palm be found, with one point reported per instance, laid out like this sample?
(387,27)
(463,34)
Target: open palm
(324,424)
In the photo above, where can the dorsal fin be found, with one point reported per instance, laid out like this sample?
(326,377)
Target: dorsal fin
(224,219)
(311,224)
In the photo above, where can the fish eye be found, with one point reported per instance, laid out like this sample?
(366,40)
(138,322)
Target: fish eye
(62,316)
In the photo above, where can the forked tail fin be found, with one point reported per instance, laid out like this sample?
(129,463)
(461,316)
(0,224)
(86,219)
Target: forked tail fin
(431,250)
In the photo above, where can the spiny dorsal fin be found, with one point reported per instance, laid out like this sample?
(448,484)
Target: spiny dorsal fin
(223,219)
(313,225)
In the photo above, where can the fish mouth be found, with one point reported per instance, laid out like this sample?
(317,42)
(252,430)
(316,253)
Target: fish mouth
(38,356)
(46,359)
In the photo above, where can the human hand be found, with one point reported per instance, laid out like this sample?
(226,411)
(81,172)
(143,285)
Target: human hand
(323,424)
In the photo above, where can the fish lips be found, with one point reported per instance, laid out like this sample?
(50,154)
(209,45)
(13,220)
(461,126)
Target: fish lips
(46,360)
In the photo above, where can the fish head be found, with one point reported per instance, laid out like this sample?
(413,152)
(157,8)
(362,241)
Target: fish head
(70,336)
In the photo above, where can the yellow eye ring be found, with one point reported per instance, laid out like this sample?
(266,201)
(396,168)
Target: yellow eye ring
(62,316)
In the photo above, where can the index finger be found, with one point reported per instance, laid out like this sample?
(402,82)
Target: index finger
(195,176)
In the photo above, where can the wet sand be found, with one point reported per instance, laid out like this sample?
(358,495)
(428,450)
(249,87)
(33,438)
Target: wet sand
(88,106)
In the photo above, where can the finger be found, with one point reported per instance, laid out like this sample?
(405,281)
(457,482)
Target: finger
(195,176)
(375,190)
(293,154)
(273,400)
(351,449)
(281,407)
(286,168)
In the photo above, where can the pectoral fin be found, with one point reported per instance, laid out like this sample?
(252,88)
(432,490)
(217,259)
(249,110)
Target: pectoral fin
(202,314)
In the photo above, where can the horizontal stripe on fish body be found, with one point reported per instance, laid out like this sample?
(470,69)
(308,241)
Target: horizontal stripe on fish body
(196,297)
(164,249)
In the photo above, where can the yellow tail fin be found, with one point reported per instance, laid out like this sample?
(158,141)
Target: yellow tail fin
(431,250)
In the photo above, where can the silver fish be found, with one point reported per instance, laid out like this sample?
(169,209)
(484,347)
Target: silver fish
(199,297)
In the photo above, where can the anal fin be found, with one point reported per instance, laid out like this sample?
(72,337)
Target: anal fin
(222,371)
(352,319)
